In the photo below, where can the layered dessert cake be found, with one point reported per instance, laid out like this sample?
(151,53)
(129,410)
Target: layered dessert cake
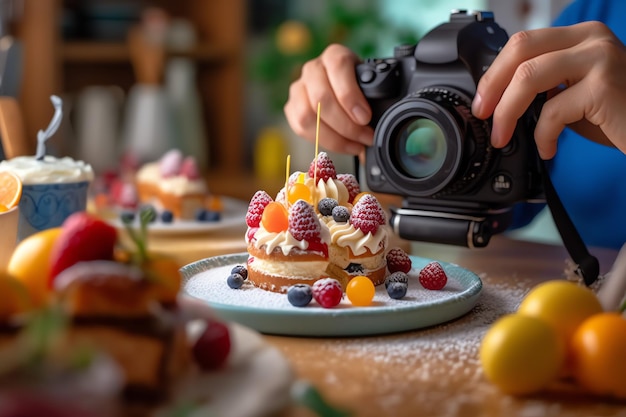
(122,307)
(321,218)
(111,307)
(174,183)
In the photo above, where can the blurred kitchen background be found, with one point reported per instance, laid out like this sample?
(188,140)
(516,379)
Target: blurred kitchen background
(207,76)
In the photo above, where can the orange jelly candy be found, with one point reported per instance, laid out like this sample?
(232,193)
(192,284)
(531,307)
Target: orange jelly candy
(275,217)
(298,191)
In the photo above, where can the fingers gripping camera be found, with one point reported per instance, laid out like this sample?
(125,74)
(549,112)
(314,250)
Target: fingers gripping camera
(429,148)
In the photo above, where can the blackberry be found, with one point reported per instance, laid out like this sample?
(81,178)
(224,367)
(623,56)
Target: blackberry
(241,270)
(167,216)
(300,295)
(341,214)
(397,276)
(396,290)
(234,281)
(326,206)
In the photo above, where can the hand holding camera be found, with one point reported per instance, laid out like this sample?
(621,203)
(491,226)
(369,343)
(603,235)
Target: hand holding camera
(429,148)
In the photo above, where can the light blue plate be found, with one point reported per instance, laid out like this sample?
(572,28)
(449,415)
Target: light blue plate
(271,313)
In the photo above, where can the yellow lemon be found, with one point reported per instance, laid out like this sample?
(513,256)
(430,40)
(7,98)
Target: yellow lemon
(521,354)
(562,304)
(30,263)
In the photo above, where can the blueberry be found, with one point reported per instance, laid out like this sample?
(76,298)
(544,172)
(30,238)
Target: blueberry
(127,216)
(204,215)
(167,216)
(234,281)
(341,214)
(397,290)
(326,206)
(354,268)
(213,216)
(300,295)
(241,270)
(397,276)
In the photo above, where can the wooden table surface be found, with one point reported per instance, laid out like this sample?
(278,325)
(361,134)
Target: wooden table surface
(428,372)
(435,371)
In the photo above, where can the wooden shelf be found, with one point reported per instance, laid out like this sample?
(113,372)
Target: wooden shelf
(77,52)
(53,65)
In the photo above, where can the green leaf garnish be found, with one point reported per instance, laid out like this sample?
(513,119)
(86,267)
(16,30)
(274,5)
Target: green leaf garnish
(147,214)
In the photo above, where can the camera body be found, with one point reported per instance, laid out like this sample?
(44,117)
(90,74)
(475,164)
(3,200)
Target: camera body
(429,149)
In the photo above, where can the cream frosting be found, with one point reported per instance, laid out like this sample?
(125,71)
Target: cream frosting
(283,240)
(178,185)
(51,170)
(345,235)
(295,270)
(331,188)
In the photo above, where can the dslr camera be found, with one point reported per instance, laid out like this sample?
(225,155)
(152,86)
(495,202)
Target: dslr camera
(430,149)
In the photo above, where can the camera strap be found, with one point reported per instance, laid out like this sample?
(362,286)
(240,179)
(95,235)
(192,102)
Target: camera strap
(588,266)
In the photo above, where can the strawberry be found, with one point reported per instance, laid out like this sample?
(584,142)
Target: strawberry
(127,197)
(398,260)
(327,292)
(257,205)
(367,214)
(351,184)
(189,168)
(83,237)
(322,168)
(432,276)
(303,222)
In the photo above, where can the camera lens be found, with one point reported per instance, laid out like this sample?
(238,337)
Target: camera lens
(429,144)
(421,147)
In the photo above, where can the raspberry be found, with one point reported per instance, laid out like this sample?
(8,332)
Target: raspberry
(432,276)
(213,346)
(398,260)
(327,292)
(351,184)
(259,201)
(367,214)
(189,168)
(303,222)
(324,167)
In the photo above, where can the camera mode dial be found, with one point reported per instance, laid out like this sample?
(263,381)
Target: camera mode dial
(476,150)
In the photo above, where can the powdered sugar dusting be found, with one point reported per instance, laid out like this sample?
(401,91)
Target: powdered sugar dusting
(272,313)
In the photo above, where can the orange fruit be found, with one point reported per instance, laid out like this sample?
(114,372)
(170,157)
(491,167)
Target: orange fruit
(275,217)
(10,190)
(14,298)
(599,354)
(30,263)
